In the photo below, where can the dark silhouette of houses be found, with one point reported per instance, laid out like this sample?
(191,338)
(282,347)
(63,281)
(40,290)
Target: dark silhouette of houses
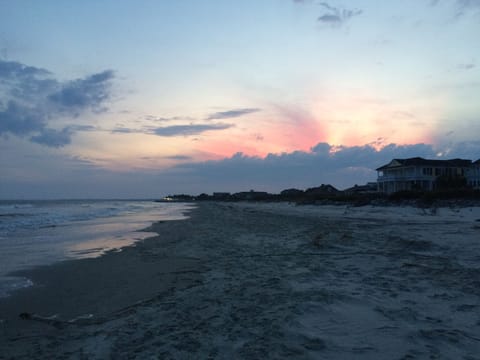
(473,175)
(321,191)
(291,193)
(368,188)
(251,195)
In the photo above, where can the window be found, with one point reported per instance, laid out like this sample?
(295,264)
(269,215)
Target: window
(427,171)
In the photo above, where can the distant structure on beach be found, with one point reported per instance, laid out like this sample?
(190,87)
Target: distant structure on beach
(368,188)
(419,174)
(474,175)
(457,177)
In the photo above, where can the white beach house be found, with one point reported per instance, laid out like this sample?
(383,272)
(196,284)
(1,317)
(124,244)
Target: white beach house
(422,174)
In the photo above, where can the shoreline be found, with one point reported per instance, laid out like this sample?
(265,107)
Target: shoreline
(95,287)
(44,234)
(243,280)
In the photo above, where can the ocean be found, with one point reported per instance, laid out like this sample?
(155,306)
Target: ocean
(34,233)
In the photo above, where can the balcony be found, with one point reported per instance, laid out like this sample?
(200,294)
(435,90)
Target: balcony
(409,177)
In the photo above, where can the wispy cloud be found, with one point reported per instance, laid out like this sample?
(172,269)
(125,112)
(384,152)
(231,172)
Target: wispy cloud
(466,66)
(125,130)
(32,100)
(469,4)
(336,16)
(179,157)
(232,113)
(332,16)
(462,7)
(188,130)
(154,118)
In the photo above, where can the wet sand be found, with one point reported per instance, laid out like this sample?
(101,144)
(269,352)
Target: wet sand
(250,281)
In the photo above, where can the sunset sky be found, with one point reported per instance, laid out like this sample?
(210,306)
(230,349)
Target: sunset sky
(145,98)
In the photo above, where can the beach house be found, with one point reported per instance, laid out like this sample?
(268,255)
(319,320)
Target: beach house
(473,175)
(424,175)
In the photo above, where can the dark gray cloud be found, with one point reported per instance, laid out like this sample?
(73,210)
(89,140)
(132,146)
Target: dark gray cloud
(188,130)
(23,82)
(76,128)
(328,7)
(336,16)
(12,70)
(20,120)
(89,93)
(179,157)
(32,100)
(53,138)
(232,113)
(330,18)
(173,130)
(341,166)
(124,130)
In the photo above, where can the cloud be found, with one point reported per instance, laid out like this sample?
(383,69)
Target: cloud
(328,7)
(179,157)
(124,130)
(82,94)
(10,70)
(32,100)
(335,16)
(463,7)
(56,174)
(468,4)
(188,130)
(173,130)
(332,16)
(341,166)
(468,66)
(20,120)
(231,113)
(53,138)
(154,118)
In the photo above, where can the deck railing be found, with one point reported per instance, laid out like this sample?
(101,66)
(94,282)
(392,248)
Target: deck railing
(406,178)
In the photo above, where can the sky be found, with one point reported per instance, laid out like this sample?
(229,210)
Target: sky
(140,99)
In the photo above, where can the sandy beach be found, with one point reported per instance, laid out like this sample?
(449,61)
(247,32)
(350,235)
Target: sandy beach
(252,281)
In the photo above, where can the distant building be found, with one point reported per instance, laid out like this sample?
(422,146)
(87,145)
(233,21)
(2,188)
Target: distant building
(221,195)
(251,195)
(291,193)
(423,174)
(368,188)
(322,190)
(473,175)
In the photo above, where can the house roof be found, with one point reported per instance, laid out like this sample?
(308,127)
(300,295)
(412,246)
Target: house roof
(418,161)
(322,189)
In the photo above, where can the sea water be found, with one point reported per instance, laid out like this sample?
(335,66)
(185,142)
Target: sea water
(34,233)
